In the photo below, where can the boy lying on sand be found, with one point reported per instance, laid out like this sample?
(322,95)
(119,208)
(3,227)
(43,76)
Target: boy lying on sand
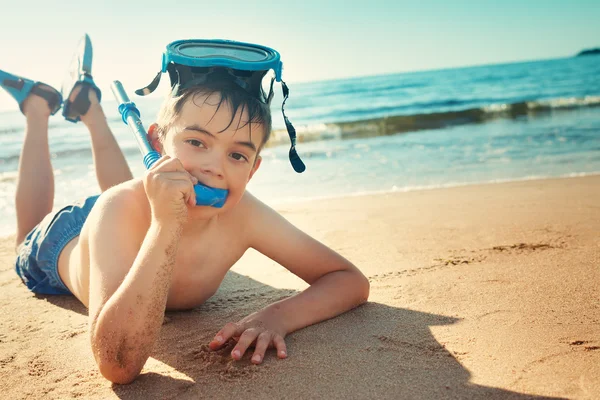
(143,246)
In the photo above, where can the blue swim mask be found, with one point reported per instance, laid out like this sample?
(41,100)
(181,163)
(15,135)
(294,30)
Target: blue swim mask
(193,62)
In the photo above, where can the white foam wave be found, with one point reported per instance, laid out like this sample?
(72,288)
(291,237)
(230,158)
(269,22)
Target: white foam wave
(550,104)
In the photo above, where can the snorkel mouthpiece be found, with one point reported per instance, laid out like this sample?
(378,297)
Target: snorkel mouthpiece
(192,62)
(205,195)
(209,196)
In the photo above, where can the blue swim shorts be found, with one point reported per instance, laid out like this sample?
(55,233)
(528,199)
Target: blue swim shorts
(37,258)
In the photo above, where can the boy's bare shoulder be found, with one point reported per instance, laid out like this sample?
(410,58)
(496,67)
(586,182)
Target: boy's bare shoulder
(128,195)
(249,201)
(242,218)
(259,219)
(248,208)
(123,204)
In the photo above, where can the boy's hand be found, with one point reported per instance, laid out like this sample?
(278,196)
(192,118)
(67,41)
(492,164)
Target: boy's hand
(256,329)
(170,188)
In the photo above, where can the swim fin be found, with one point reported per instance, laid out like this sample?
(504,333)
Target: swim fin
(80,74)
(20,88)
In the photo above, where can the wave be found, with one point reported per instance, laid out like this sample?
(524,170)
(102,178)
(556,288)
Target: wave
(439,104)
(399,119)
(84,153)
(390,125)
(20,129)
(561,103)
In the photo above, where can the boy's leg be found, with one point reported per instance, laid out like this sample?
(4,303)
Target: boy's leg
(35,179)
(109,160)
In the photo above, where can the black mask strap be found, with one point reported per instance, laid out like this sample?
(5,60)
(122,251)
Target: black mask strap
(297,163)
(269,96)
(151,87)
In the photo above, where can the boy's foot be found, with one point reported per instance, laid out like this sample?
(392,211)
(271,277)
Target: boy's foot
(21,89)
(79,83)
(82,93)
(38,106)
(80,100)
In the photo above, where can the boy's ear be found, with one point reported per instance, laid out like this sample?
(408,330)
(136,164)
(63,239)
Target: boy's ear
(255,167)
(153,138)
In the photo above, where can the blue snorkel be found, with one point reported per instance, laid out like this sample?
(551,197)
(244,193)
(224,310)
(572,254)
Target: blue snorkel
(205,195)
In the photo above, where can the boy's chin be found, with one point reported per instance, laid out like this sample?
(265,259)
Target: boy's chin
(203,212)
(206,212)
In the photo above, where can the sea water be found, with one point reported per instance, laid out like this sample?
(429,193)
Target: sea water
(378,134)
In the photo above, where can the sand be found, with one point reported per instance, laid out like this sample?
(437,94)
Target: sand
(486,291)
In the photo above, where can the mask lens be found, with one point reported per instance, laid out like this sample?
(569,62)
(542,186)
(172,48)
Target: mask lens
(233,52)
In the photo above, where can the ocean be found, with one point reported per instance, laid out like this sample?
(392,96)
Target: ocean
(386,133)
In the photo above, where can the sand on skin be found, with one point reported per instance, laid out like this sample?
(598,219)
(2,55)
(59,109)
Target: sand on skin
(480,291)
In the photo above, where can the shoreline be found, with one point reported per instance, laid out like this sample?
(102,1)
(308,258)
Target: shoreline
(285,202)
(434,187)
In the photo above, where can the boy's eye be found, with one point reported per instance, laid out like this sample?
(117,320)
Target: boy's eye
(239,157)
(195,143)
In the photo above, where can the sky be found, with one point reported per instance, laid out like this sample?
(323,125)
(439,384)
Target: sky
(317,39)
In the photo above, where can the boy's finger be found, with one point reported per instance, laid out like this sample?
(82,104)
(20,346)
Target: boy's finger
(160,161)
(194,180)
(174,175)
(167,163)
(242,345)
(224,335)
(192,201)
(189,194)
(280,346)
(183,181)
(262,343)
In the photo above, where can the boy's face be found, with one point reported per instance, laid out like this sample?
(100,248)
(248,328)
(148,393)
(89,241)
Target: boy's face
(218,157)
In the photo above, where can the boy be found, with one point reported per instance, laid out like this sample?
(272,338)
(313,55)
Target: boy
(143,245)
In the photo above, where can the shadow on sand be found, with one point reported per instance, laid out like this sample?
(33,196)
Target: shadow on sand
(67,302)
(380,352)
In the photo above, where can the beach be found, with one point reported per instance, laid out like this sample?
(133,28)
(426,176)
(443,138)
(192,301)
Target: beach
(481,291)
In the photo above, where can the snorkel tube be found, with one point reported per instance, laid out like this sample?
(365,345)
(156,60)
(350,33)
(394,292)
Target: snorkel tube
(205,195)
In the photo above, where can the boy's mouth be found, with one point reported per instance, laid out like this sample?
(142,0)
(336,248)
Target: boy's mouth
(204,182)
(207,195)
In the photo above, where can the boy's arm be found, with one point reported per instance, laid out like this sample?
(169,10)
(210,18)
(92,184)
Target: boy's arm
(336,284)
(130,276)
(129,281)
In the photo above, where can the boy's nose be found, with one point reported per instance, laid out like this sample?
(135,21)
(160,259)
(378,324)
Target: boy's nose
(212,171)
(213,168)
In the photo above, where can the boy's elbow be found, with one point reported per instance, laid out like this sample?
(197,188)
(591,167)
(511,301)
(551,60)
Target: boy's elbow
(116,366)
(365,288)
(119,374)
(362,287)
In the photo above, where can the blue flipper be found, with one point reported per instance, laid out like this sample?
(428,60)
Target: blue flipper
(19,88)
(80,74)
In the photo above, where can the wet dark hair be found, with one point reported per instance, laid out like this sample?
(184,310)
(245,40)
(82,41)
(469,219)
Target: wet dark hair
(230,93)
